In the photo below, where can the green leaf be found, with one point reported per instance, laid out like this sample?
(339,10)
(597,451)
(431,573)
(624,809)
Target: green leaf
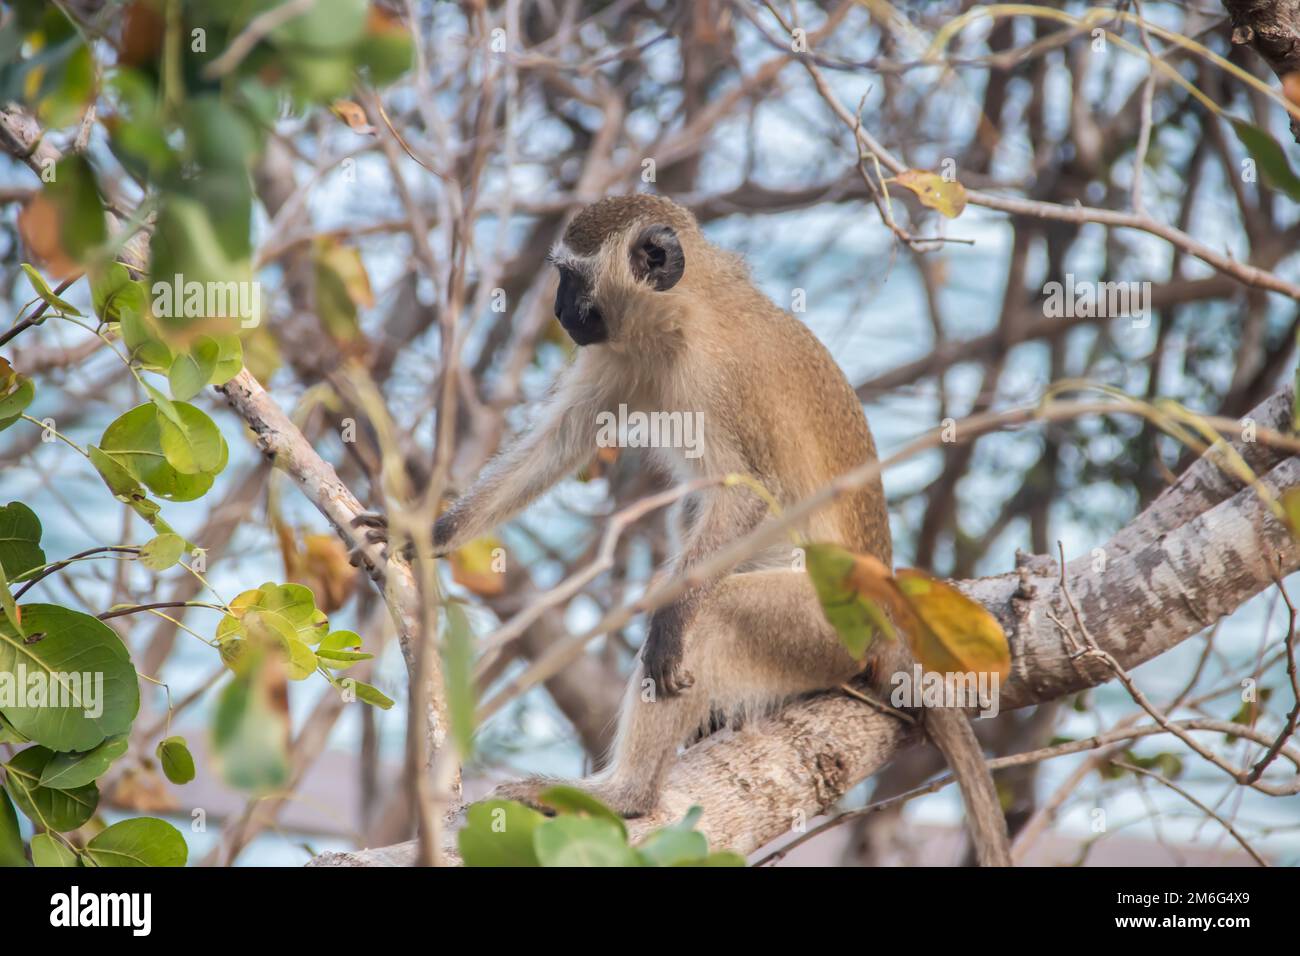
(566,799)
(165,406)
(9,606)
(112,290)
(142,338)
(370,695)
(1269,156)
(386,51)
(302,660)
(11,839)
(192,370)
(70,770)
(134,442)
(282,616)
(8,735)
(499,833)
(75,194)
(342,659)
(678,844)
(294,602)
(49,851)
(230,359)
(20,540)
(43,290)
(274,630)
(162,552)
(137,137)
(250,733)
(335,649)
(61,810)
(123,484)
(207,242)
(16,393)
(144,841)
(62,645)
(72,89)
(458,675)
(176,759)
(326,25)
(193,446)
(1290,502)
(582,841)
(673,846)
(849,587)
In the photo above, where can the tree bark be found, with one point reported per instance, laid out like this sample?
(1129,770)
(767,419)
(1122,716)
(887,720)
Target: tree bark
(1201,550)
(1272,28)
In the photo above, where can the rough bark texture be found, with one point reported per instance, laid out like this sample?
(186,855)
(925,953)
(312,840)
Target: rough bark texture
(284,445)
(1200,551)
(1272,28)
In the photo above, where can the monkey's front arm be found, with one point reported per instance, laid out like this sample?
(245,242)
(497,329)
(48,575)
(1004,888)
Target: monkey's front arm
(563,437)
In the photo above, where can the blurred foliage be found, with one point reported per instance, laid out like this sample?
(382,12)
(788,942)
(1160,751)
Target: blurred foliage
(187,95)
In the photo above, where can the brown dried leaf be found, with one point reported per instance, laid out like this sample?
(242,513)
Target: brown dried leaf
(353,115)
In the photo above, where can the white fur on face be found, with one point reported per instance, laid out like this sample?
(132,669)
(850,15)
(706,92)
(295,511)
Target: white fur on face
(562,257)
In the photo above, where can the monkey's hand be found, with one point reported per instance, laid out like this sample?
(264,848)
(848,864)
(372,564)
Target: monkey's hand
(661,657)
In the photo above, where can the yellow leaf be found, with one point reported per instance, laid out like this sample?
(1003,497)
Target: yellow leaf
(946,196)
(474,567)
(342,285)
(1291,508)
(957,635)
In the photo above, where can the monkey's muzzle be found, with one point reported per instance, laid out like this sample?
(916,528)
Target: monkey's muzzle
(576,312)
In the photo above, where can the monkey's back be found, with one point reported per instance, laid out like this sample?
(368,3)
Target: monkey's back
(781,376)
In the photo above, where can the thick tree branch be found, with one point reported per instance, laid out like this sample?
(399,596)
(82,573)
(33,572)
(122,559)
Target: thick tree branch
(1272,28)
(284,445)
(1196,555)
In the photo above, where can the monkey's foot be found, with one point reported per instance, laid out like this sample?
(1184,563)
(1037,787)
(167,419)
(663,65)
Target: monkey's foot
(374,528)
(626,801)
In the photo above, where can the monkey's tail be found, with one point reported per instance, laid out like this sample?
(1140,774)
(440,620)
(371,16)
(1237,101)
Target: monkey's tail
(952,733)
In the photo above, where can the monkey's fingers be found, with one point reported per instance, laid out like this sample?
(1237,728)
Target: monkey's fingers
(358,559)
(680,680)
(672,681)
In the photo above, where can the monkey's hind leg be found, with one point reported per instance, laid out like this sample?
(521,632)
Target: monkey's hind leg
(759,638)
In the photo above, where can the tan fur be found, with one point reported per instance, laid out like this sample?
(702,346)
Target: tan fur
(776,407)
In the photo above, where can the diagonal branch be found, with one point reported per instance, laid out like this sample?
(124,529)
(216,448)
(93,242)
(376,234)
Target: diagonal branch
(1165,579)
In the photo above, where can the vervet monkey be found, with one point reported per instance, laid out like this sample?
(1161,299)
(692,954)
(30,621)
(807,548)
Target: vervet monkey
(668,322)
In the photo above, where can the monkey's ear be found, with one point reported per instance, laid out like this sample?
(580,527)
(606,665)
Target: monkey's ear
(657,257)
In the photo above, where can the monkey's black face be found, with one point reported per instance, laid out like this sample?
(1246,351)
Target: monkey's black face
(576,312)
